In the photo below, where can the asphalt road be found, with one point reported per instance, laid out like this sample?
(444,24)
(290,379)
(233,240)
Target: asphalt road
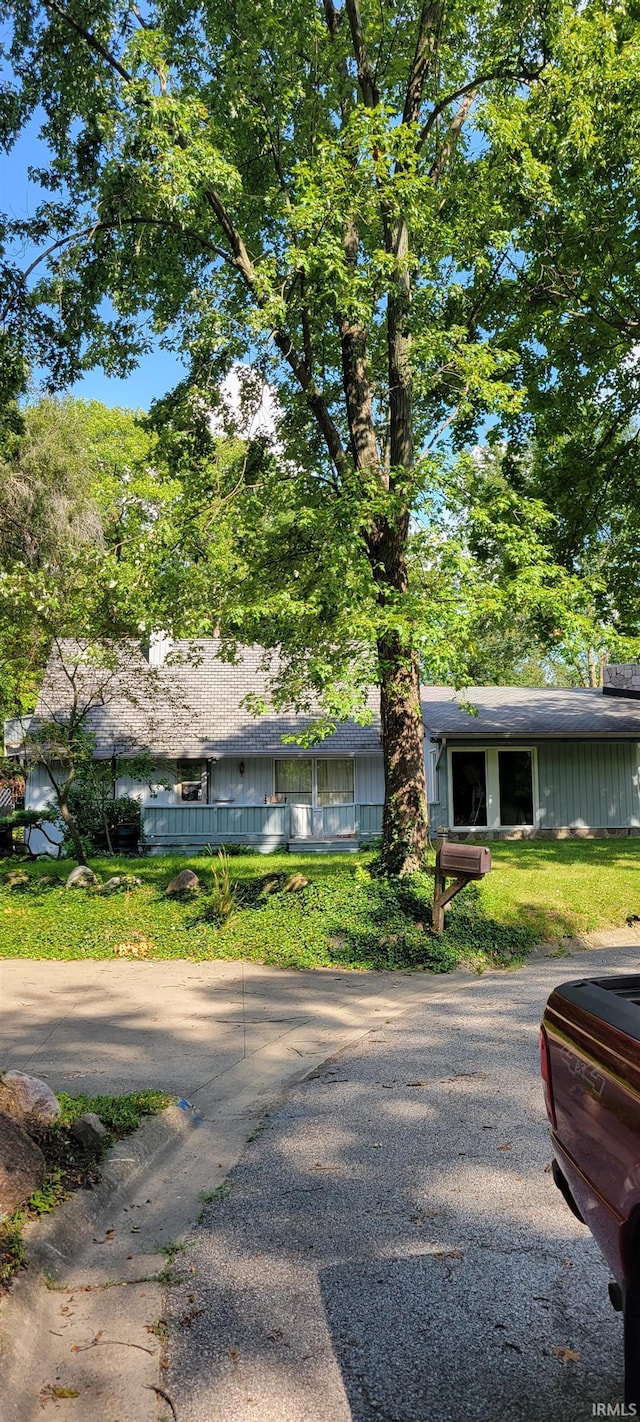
(392,1247)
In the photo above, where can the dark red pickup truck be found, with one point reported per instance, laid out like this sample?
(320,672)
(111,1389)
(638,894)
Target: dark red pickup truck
(590,1061)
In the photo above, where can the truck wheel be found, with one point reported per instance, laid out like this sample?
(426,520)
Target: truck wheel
(631,1314)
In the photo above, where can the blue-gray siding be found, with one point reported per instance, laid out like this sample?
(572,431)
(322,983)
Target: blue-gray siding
(592,783)
(203,824)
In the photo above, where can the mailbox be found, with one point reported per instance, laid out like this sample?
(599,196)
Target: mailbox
(471,859)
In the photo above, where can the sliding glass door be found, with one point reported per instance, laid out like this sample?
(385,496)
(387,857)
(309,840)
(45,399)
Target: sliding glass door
(492,787)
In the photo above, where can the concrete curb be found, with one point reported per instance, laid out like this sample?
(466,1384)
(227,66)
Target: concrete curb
(52,1243)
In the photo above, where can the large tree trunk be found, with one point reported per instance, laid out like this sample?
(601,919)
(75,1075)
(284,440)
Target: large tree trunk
(404,820)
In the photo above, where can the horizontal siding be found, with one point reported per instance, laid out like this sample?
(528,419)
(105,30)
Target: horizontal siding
(589,784)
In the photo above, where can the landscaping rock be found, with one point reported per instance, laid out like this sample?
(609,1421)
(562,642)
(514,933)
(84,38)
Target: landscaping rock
(22,1165)
(185,882)
(295,882)
(82,877)
(90,1132)
(120,881)
(27,1098)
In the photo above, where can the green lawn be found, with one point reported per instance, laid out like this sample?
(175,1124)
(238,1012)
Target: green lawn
(564,887)
(346,916)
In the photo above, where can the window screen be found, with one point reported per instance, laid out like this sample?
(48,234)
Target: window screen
(469,777)
(516,787)
(294,781)
(335,782)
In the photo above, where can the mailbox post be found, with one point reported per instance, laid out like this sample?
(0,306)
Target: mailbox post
(462,863)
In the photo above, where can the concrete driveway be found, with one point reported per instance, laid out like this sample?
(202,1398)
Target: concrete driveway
(393,1247)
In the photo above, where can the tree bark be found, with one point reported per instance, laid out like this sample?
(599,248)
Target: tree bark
(404,820)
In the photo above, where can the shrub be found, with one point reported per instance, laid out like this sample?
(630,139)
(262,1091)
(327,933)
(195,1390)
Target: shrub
(98,817)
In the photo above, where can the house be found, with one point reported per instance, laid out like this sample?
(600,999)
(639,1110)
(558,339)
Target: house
(502,761)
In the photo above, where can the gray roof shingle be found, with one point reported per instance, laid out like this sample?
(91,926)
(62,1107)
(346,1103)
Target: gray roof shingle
(188,710)
(531,712)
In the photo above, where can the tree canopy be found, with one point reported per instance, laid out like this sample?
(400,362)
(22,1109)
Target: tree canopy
(382,208)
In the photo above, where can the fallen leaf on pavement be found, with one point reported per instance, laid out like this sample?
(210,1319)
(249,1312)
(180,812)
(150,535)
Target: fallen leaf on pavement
(566,1355)
(506,1146)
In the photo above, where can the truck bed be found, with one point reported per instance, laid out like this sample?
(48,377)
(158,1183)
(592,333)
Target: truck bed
(615,1001)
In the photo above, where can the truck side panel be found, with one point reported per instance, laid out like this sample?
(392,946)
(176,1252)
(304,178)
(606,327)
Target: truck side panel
(595,1076)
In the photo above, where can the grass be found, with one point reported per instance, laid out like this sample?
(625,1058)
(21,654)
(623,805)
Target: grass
(69,1166)
(562,888)
(345,917)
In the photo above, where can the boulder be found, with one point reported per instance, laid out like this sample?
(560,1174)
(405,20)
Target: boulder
(186,882)
(27,1098)
(295,882)
(82,877)
(90,1132)
(22,1165)
(111,884)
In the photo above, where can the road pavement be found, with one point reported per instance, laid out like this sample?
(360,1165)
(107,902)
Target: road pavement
(392,1247)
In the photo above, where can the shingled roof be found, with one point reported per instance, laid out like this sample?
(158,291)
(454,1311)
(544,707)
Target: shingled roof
(193,709)
(525,712)
(187,709)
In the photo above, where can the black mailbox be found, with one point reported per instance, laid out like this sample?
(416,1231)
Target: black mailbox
(471,859)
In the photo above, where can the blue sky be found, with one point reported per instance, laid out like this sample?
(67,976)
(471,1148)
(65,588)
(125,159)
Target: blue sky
(157,372)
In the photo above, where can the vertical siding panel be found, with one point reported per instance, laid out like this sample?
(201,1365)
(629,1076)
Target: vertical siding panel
(588,784)
(369,780)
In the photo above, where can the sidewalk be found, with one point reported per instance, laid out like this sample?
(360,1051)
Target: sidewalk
(228,1037)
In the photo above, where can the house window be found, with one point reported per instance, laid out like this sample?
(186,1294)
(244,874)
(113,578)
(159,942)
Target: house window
(469,781)
(492,787)
(335,782)
(314,782)
(516,787)
(294,782)
(190,780)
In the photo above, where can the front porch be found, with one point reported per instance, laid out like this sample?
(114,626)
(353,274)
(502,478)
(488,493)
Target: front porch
(301,828)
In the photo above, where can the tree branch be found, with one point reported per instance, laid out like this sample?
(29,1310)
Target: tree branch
(109,227)
(455,128)
(422,59)
(89,39)
(524,75)
(366,76)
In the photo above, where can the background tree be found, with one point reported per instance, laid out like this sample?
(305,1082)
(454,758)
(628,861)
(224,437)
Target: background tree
(569,302)
(319,189)
(75,497)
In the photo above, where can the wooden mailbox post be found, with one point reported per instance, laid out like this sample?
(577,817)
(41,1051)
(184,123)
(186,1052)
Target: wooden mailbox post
(461,862)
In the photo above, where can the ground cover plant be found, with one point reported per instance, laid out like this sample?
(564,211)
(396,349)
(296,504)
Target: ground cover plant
(69,1165)
(346,915)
